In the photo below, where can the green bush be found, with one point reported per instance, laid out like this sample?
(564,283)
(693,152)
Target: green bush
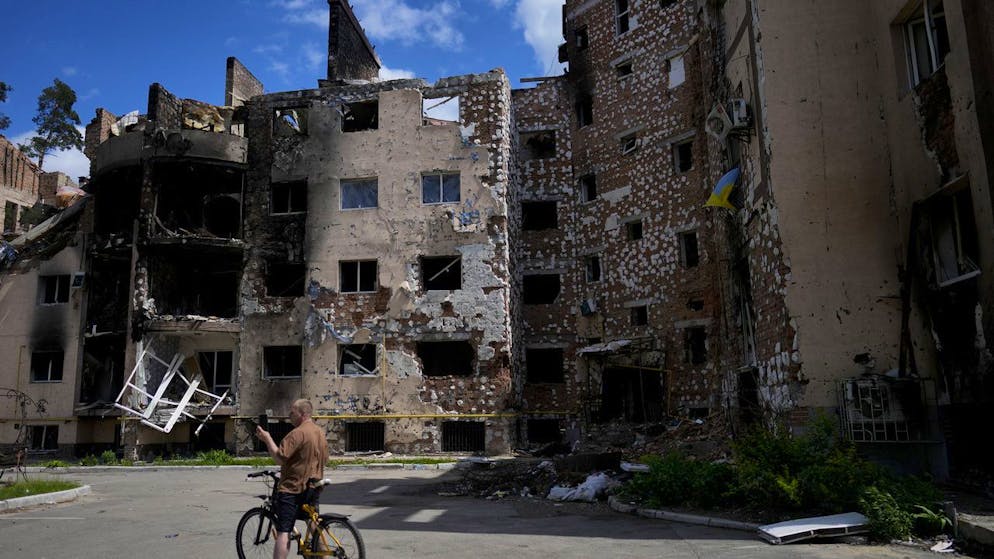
(55,464)
(108,457)
(928,522)
(89,460)
(888,521)
(674,479)
(214,458)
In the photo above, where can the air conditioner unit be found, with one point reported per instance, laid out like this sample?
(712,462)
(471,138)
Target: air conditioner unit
(738,113)
(718,123)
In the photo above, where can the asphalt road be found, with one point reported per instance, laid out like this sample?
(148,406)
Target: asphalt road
(173,513)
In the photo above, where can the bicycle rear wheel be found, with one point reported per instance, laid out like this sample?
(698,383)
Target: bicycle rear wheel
(256,535)
(338,538)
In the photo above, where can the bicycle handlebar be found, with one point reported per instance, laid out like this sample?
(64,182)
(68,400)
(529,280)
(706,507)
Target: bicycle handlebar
(271,473)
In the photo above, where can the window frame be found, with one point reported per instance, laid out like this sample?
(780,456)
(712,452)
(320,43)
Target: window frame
(266,367)
(359,276)
(629,143)
(675,147)
(638,315)
(632,226)
(355,181)
(588,187)
(689,259)
(622,17)
(61,281)
(49,368)
(212,378)
(343,348)
(935,58)
(625,69)
(592,264)
(289,185)
(441,175)
(45,430)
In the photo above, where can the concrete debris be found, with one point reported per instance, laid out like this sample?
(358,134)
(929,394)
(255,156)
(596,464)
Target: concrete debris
(593,488)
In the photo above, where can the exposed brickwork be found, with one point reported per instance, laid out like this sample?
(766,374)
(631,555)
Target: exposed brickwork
(350,56)
(239,83)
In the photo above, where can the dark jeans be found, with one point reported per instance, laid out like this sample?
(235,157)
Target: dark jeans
(288,511)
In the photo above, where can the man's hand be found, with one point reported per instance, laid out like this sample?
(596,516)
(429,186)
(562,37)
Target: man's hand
(262,434)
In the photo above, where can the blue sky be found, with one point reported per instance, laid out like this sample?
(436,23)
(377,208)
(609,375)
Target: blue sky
(110,51)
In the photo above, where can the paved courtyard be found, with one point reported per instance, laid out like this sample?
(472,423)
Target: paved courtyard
(182,513)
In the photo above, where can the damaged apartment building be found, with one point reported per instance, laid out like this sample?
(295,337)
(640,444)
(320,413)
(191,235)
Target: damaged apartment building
(540,266)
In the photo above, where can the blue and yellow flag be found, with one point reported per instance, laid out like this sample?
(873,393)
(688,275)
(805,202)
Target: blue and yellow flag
(722,191)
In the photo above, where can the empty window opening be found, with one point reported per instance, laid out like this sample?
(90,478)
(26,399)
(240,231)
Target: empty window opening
(204,283)
(285,279)
(282,361)
(357,359)
(44,437)
(53,290)
(592,268)
(10,215)
(624,70)
(640,315)
(538,215)
(683,156)
(540,289)
(544,365)
(632,395)
(588,187)
(666,3)
(926,40)
(634,230)
(538,145)
(689,255)
(290,121)
(288,197)
(357,117)
(216,368)
(629,143)
(277,430)
(747,393)
(438,111)
(366,436)
(211,437)
(695,346)
(439,188)
(621,16)
(359,193)
(677,72)
(581,38)
(464,436)
(695,304)
(357,276)
(223,216)
(446,358)
(584,110)
(543,431)
(952,238)
(46,366)
(102,367)
(441,272)
(698,412)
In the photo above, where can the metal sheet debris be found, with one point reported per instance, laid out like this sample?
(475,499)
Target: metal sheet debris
(815,527)
(605,347)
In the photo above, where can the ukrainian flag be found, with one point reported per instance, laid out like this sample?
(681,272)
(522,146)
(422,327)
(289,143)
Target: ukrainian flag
(723,190)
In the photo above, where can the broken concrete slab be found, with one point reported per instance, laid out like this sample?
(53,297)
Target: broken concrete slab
(814,527)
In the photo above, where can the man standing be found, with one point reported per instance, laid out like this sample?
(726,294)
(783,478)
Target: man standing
(301,456)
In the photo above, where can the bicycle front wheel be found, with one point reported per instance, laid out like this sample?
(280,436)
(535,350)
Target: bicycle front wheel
(256,535)
(338,538)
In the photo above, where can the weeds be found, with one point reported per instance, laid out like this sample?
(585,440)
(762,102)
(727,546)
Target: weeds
(34,487)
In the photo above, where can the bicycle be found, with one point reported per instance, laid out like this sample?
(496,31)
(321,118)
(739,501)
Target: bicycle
(335,535)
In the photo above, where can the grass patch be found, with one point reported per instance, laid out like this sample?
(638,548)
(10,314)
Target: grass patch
(34,487)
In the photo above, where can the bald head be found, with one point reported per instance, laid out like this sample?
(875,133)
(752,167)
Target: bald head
(303,407)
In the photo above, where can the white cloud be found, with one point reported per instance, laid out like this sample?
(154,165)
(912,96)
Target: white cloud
(281,69)
(69,71)
(314,57)
(395,74)
(271,48)
(71,161)
(231,41)
(318,17)
(93,92)
(542,23)
(394,20)
(499,3)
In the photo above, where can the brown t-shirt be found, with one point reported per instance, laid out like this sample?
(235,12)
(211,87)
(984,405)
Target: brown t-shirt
(304,452)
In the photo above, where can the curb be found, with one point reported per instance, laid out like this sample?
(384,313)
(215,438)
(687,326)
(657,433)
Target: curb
(680,517)
(44,499)
(157,468)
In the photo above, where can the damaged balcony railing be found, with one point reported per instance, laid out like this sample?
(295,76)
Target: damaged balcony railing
(155,409)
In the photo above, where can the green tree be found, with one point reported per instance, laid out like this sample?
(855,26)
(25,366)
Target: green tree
(56,121)
(4,119)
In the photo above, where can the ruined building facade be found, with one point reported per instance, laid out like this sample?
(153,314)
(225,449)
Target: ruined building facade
(542,267)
